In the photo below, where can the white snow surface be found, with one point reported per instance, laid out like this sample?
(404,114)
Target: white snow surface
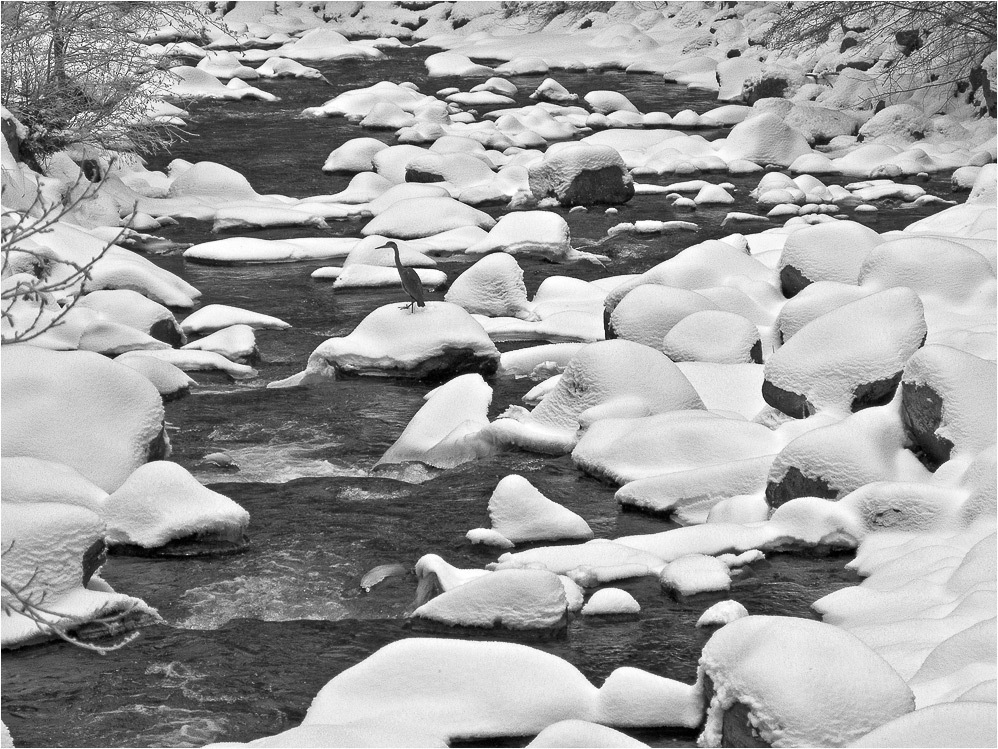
(610,601)
(493,286)
(214,317)
(721,613)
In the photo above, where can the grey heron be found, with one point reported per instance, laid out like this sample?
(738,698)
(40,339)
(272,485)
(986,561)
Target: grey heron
(410,280)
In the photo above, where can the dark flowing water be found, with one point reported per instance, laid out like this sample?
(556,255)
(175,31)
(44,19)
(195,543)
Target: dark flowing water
(251,638)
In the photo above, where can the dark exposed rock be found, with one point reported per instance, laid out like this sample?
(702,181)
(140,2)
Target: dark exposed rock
(598,187)
(212,544)
(877,393)
(93,558)
(159,447)
(417,175)
(451,362)
(169,332)
(790,403)
(795,484)
(922,414)
(792,281)
(755,353)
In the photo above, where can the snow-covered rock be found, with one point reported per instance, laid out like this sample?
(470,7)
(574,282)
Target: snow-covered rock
(579,174)
(161,502)
(432,341)
(493,286)
(761,680)
(82,410)
(423,217)
(608,601)
(214,317)
(713,336)
(519,512)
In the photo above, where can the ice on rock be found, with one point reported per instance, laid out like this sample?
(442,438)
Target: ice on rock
(541,233)
(161,502)
(610,601)
(236,343)
(948,402)
(833,251)
(356,155)
(604,380)
(696,573)
(214,317)
(521,513)
(764,139)
(581,733)
(946,724)
(423,217)
(581,174)
(53,550)
(128,307)
(849,358)
(493,286)
(445,432)
(759,671)
(514,599)
(831,461)
(82,410)
(648,313)
(458,689)
(436,340)
(713,336)
(721,613)
(171,382)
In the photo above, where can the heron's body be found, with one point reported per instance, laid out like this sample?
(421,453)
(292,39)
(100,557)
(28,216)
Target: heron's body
(410,280)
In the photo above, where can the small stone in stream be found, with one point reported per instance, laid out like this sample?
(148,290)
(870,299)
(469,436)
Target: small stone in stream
(381,573)
(222,460)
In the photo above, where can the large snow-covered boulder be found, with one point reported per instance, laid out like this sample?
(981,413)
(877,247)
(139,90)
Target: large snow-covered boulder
(948,402)
(832,251)
(161,503)
(849,358)
(970,723)
(514,599)
(758,673)
(356,155)
(82,410)
(764,139)
(579,174)
(648,312)
(457,688)
(713,336)
(834,460)
(130,308)
(434,341)
(603,380)
(542,233)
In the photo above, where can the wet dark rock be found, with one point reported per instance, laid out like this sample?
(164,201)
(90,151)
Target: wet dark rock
(755,353)
(876,393)
(922,414)
(785,401)
(792,281)
(795,484)
(211,544)
(598,187)
(167,331)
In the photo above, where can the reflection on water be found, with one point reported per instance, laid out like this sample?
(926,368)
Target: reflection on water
(251,638)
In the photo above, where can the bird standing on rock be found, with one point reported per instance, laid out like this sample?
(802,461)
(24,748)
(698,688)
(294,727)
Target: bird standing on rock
(410,280)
